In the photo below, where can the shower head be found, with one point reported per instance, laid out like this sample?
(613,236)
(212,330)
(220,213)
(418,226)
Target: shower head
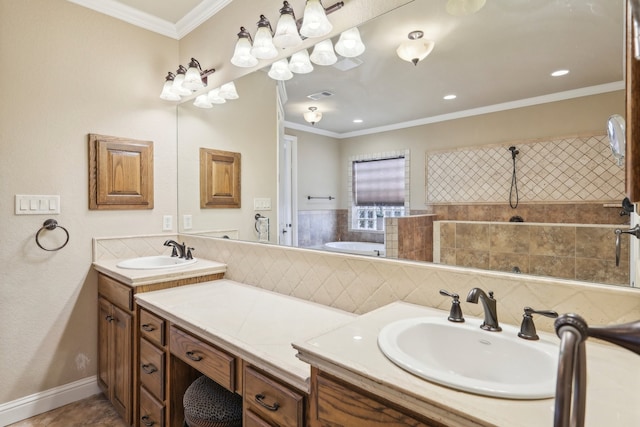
(514,152)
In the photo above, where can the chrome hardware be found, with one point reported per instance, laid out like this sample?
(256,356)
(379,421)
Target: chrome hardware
(634,231)
(260,400)
(455,314)
(490,310)
(528,328)
(572,363)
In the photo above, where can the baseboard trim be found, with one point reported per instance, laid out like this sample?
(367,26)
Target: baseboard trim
(44,401)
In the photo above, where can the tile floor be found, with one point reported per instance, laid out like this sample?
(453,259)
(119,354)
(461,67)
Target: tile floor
(95,411)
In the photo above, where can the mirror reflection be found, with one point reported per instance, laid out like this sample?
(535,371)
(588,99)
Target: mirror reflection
(498,63)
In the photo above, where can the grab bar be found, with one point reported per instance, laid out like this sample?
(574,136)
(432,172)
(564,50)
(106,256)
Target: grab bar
(572,363)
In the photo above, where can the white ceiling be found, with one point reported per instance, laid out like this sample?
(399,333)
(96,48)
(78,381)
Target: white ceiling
(499,58)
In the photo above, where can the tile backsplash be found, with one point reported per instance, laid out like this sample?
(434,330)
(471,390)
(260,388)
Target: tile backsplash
(360,284)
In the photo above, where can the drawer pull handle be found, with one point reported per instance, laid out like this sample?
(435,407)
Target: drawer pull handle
(149,368)
(109,318)
(147,421)
(148,328)
(260,400)
(191,355)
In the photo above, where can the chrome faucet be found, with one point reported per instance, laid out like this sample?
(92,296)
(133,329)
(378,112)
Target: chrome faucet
(490,310)
(179,250)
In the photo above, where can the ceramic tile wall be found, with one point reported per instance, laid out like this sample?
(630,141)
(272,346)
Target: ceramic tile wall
(560,170)
(361,284)
(581,252)
(410,238)
(316,227)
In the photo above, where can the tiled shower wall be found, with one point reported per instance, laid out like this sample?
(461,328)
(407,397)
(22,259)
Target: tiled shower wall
(575,169)
(317,227)
(360,284)
(581,252)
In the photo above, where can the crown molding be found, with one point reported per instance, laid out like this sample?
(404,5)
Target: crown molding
(205,10)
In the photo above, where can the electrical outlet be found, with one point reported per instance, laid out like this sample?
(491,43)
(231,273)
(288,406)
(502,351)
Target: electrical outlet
(167,223)
(187,222)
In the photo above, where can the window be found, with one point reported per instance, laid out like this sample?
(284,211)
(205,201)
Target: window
(378,190)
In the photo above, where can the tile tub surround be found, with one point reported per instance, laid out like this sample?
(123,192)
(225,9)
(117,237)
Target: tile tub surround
(360,284)
(570,251)
(317,227)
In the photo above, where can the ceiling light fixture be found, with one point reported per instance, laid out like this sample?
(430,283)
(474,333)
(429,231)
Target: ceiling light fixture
(449,97)
(287,29)
(350,44)
(242,56)
(416,48)
(315,22)
(323,53)
(312,116)
(464,7)
(559,73)
(185,82)
(263,47)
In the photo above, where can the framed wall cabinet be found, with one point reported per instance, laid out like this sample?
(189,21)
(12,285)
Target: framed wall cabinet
(219,179)
(120,173)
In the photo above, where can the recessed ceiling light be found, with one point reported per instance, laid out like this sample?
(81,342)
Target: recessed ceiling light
(448,97)
(357,120)
(559,73)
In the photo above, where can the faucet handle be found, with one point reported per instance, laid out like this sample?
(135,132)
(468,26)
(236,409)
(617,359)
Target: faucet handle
(174,251)
(189,255)
(528,328)
(455,314)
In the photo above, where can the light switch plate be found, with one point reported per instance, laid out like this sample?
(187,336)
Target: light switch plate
(29,204)
(262,204)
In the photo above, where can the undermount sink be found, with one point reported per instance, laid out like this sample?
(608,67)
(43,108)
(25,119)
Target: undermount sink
(154,262)
(464,357)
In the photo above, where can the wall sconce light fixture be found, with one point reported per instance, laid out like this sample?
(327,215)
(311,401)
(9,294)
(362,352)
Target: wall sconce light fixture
(299,62)
(315,22)
(185,81)
(416,48)
(350,44)
(263,47)
(280,70)
(323,53)
(242,56)
(312,116)
(287,29)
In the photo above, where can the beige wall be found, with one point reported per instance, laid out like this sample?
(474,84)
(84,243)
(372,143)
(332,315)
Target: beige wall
(69,71)
(248,126)
(585,115)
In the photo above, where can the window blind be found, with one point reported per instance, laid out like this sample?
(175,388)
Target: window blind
(378,182)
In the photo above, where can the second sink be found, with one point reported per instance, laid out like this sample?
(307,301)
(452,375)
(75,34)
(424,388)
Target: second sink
(464,357)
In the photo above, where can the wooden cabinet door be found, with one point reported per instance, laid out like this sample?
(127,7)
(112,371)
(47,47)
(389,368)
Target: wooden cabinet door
(104,347)
(122,362)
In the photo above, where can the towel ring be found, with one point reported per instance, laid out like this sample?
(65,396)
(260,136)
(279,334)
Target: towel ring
(51,224)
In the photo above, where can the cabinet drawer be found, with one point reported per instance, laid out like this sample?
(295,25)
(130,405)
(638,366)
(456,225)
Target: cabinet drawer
(152,368)
(212,362)
(119,294)
(253,420)
(151,411)
(272,400)
(152,328)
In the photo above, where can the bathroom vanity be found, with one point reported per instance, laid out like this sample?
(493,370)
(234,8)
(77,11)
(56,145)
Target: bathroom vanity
(118,322)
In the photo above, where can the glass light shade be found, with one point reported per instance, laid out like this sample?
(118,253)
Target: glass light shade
(228,91)
(242,54)
(202,101)
(415,50)
(263,47)
(350,44)
(178,87)
(192,79)
(313,116)
(215,97)
(299,62)
(286,32)
(315,22)
(280,70)
(323,53)
(464,7)
(167,94)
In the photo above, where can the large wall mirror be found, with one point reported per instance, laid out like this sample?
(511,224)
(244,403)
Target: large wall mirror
(497,61)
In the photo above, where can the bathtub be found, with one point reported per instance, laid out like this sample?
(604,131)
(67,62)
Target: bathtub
(357,248)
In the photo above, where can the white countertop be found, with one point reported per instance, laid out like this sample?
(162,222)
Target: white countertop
(254,324)
(613,378)
(134,277)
